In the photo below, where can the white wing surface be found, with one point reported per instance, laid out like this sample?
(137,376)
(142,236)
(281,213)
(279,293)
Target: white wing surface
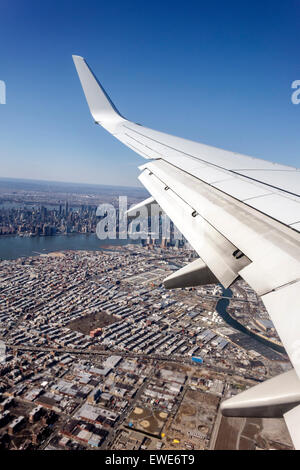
(241,214)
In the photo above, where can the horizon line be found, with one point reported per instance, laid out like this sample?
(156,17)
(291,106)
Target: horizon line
(72,182)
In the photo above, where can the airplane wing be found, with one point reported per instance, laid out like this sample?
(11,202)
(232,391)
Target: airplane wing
(242,216)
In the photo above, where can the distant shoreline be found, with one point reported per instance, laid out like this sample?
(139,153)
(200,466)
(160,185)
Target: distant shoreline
(8,179)
(13,246)
(59,234)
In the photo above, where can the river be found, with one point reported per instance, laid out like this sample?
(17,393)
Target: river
(12,247)
(221,308)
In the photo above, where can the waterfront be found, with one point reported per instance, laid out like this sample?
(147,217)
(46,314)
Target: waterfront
(13,247)
(221,308)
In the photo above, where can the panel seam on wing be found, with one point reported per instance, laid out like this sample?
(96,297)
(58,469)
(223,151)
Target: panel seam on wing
(235,172)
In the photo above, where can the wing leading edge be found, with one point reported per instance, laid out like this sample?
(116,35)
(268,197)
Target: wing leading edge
(225,204)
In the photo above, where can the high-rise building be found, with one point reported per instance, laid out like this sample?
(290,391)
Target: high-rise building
(2,352)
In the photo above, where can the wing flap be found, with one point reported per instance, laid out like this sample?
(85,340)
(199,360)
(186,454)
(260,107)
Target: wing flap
(292,419)
(137,207)
(272,247)
(215,250)
(283,306)
(269,399)
(193,274)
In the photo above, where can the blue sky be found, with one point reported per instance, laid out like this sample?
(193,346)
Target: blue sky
(216,72)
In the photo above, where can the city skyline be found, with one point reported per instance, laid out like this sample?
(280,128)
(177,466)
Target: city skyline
(68,183)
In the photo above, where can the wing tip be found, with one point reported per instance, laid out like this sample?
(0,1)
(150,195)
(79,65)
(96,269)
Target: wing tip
(101,106)
(77,57)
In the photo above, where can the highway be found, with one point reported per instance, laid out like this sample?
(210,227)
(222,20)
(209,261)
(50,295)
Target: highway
(154,357)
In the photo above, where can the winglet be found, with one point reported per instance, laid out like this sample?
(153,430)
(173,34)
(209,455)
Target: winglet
(101,107)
